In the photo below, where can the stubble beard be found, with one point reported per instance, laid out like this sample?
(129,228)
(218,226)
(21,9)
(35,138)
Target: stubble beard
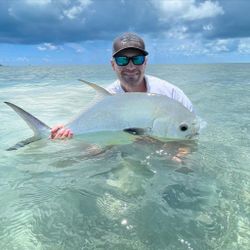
(132,80)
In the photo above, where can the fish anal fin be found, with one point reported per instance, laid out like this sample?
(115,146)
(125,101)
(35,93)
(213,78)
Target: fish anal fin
(23,143)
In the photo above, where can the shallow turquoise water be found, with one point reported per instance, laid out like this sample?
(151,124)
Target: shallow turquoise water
(81,194)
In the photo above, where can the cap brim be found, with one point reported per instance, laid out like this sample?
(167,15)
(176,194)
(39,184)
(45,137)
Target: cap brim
(145,53)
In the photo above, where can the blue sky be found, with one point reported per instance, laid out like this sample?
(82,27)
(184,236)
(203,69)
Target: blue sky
(35,32)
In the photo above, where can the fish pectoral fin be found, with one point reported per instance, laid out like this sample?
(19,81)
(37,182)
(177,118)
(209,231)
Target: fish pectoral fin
(136,131)
(23,143)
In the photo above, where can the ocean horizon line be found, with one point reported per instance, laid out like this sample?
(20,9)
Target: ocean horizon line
(107,64)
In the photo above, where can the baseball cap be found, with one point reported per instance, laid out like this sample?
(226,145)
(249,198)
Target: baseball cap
(128,40)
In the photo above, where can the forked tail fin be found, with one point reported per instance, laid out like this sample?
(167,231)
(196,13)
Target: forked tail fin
(39,128)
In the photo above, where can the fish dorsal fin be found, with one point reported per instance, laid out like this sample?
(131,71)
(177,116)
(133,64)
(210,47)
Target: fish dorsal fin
(100,90)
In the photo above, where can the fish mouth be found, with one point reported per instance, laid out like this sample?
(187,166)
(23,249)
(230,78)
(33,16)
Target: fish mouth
(192,136)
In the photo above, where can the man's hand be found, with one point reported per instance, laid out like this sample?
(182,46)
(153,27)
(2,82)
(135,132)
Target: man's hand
(182,152)
(60,132)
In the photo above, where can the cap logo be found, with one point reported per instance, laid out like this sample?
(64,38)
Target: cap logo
(125,40)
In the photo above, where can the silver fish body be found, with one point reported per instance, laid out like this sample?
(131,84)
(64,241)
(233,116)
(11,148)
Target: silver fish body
(157,115)
(143,113)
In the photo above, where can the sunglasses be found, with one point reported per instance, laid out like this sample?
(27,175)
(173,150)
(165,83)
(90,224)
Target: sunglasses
(124,60)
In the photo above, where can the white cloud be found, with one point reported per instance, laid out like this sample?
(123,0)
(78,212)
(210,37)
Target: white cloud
(85,3)
(185,47)
(179,32)
(12,13)
(244,46)
(75,11)
(189,48)
(48,46)
(71,9)
(76,47)
(220,45)
(194,46)
(23,59)
(187,9)
(207,9)
(38,2)
(208,27)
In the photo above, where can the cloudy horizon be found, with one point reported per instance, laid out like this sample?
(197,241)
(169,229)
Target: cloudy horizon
(36,32)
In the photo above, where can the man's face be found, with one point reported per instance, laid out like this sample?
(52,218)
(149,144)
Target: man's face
(130,75)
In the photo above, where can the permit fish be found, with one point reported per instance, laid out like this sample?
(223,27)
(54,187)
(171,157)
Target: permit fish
(135,113)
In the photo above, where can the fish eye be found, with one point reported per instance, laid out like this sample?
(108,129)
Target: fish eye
(183,127)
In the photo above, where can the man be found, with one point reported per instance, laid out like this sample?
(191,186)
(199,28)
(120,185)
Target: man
(129,62)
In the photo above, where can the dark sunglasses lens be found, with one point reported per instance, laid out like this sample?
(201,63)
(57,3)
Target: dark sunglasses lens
(138,60)
(121,60)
